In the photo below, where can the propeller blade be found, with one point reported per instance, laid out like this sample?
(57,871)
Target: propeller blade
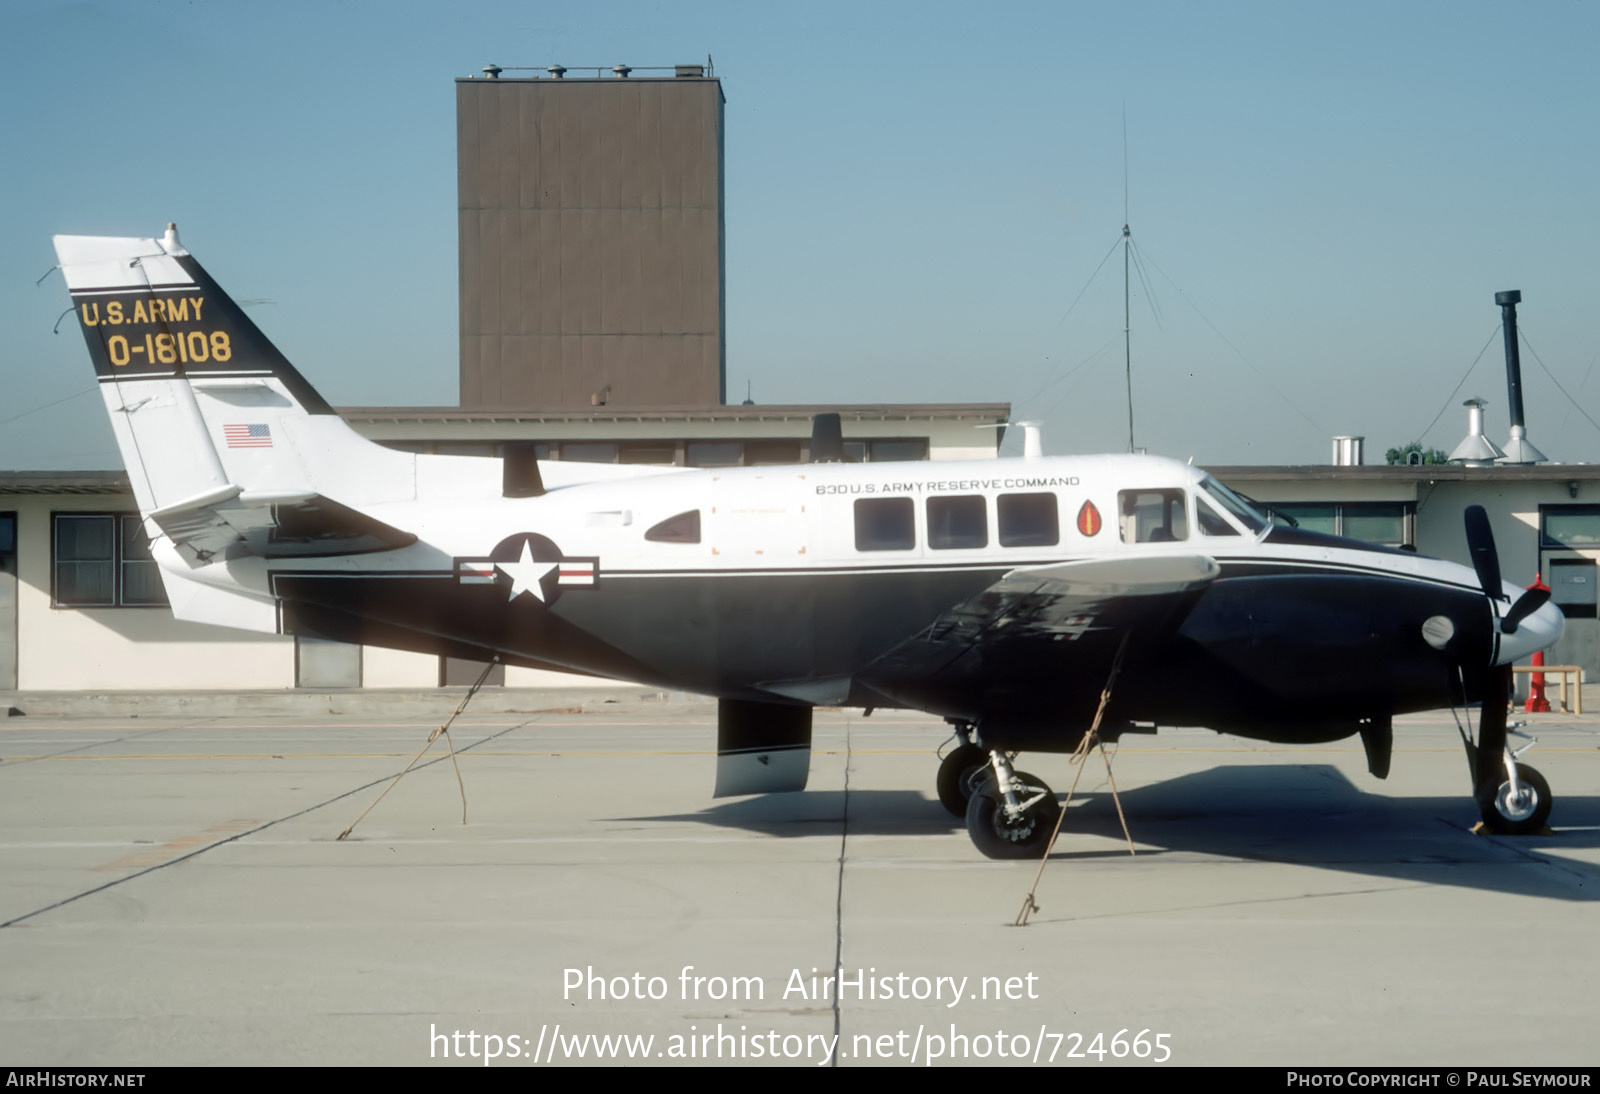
(1528,603)
(1485,559)
(1488,760)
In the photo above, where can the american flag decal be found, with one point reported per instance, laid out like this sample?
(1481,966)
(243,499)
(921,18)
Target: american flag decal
(254,435)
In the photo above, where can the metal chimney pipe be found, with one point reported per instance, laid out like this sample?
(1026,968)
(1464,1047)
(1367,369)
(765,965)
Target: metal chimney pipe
(1508,302)
(1519,449)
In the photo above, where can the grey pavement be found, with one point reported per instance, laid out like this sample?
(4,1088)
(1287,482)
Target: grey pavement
(173,892)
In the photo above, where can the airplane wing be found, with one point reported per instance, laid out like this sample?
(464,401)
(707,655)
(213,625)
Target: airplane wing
(230,522)
(1042,638)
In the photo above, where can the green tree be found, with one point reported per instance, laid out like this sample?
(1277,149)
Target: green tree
(1403,454)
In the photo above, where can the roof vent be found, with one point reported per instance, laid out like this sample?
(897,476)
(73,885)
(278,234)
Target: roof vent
(556,72)
(1476,450)
(492,72)
(621,71)
(1349,451)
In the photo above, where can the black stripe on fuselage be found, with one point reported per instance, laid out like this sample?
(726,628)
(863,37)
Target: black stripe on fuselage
(1244,566)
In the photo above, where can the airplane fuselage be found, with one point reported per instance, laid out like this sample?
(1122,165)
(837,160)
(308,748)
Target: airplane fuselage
(866,584)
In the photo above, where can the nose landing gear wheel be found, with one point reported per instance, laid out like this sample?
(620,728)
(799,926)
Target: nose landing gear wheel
(1522,814)
(999,836)
(959,773)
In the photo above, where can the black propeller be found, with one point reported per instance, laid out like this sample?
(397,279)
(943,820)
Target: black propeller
(1486,561)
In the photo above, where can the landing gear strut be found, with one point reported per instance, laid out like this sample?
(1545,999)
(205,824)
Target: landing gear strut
(1011,814)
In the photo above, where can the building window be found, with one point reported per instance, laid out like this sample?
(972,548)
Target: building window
(589,451)
(1574,527)
(1388,523)
(890,451)
(715,454)
(661,453)
(102,560)
(885,524)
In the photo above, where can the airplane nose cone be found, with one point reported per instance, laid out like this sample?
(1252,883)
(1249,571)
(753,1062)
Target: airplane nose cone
(1539,631)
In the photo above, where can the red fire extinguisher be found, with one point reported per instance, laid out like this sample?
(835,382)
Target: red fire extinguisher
(1537,703)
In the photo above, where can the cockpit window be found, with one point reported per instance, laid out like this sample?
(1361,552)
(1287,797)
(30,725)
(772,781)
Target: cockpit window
(1154,516)
(1210,521)
(683,528)
(1233,503)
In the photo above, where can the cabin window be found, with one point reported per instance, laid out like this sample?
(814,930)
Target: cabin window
(1154,516)
(102,560)
(1210,521)
(683,528)
(1028,520)
(958,523)
(885,524)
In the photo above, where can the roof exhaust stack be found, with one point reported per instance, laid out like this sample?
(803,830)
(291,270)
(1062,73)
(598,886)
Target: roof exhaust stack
(1518,448)
(827,438)
(1349,451)
(1476,450)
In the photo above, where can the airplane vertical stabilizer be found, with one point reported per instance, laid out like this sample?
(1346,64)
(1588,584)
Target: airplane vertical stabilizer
(203,406)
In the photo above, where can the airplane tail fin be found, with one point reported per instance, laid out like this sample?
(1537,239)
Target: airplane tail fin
(205,409)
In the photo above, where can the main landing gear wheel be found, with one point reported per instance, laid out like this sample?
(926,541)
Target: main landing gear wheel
(1521,814)
(1000,836)
(959,774)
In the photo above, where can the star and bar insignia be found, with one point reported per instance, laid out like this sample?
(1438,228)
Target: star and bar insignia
(531,564)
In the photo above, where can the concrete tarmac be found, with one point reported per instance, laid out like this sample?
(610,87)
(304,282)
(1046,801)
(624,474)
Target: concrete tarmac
(172,892)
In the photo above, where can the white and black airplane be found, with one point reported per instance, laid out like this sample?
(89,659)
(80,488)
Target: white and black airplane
(996,594)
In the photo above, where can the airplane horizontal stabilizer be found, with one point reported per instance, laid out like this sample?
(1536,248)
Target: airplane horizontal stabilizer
(232,524)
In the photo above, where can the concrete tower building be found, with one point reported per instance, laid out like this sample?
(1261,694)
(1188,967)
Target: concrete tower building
(591,239)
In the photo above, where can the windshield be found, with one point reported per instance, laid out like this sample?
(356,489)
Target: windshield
(1233,503)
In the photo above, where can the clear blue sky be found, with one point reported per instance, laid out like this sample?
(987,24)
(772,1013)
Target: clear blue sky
(916,192)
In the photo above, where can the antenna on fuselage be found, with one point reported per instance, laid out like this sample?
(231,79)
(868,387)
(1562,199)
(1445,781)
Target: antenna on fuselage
(1127,247)
(1032,446)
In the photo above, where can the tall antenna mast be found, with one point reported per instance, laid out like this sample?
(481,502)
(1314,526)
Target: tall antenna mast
(1127,243)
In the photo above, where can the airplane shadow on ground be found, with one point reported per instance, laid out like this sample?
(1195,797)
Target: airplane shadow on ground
(1306,814)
